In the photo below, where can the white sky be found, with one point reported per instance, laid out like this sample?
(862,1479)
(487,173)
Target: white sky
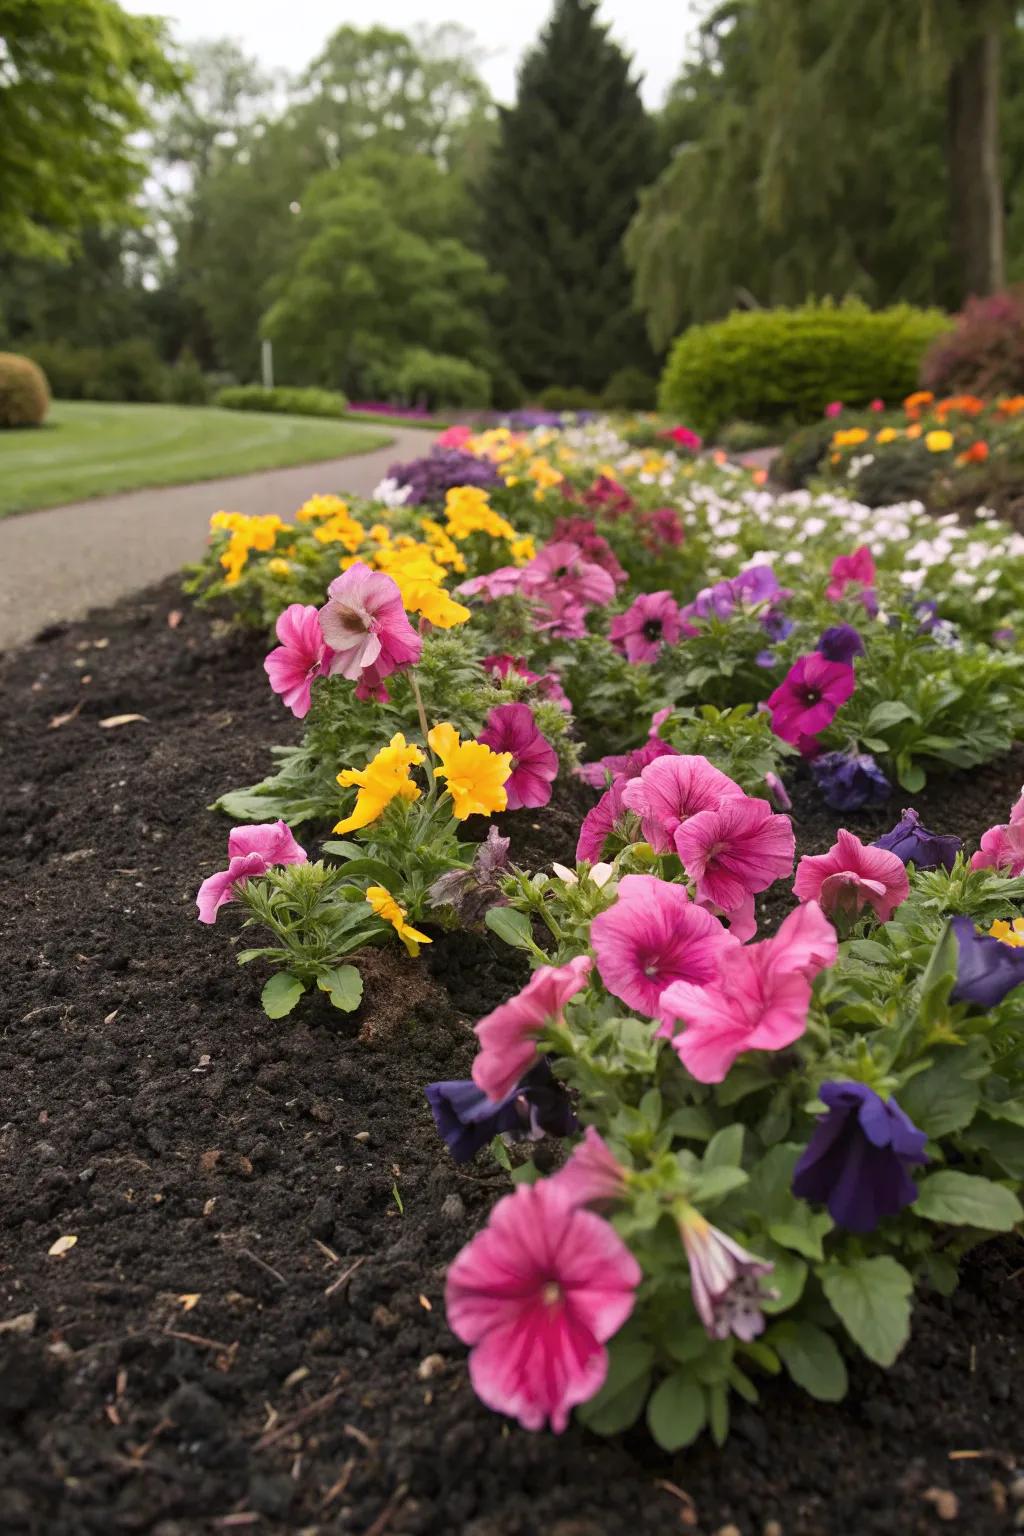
(288,33)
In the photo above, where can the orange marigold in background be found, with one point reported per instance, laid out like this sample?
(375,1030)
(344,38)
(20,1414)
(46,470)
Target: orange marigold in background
(964,405)
(977,453)
(1011,405)
(914,404)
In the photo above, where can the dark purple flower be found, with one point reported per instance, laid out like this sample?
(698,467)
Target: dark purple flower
(778,626)
(430,478)
(927,611)
(841,643)
(850,780)
(987,969)
(913,843)
(467,1119)
(857,1158)
(472,892)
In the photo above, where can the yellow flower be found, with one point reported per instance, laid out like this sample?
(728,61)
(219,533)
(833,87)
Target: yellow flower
(511,479)
(468,511)
(938,441)
(278,567)
(850,437)
(385,778)
(321,506)
(443,548)
(231,520)
(475,775)
(1009,933)
(887,435)
(522,550)
(915,430)
(429,599)
(342,528)
(544,474)
(385,906)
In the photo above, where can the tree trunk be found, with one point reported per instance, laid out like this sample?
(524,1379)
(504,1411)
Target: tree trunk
(974,166)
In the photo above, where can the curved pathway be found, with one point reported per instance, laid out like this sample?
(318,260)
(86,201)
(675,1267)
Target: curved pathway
(59,563)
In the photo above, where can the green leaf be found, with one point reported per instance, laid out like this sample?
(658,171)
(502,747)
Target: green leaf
(526,1173)
(725,1149)
(693,1122)
(280,994)
(719,1182)
(344,849)
(718,1412)
(1000,1140)
(890,712)
(375,870)
(911,776)
(872,1299)
(788,1277)
(802,1230)
(499,1152)
(945,1096)
(676,1413)
(345,986)
(811,1358)
(871,951)
(625,1389)
(939,976)
(511,927)
(964,1200)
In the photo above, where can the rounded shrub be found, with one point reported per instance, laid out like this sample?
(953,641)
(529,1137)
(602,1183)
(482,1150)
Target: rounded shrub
(561,397)
(436,379)
(769,364)
(284,400)
(630,389)
(24,392)
(744,436)
(984,352)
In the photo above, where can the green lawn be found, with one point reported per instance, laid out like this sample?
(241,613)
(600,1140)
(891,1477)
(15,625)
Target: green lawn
(92,450)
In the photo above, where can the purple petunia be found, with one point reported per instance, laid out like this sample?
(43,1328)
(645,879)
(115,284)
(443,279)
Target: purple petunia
(857,1159)
(467,1119)
(987,969)
(914,844)
(849,781)
(840,643)
(431,477)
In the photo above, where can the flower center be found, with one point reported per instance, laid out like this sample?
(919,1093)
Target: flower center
(355,621)
(652,629)
(809,695)
(551,1293)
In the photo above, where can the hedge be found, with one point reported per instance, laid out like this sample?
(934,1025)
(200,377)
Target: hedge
(284,400)
(783,366)
(24,394)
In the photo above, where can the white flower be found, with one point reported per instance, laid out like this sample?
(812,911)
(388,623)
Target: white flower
(391,493)
(600,874)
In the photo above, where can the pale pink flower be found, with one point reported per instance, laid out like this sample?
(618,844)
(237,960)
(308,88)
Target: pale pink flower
(536,1295)
(512,728)
(725,1280)
(625,765)
(1002,846)
(508,1035)
(652,936)
(672,788)
(302,655)
(857,569)
(251,852)
(658,720)
(758,1001)
(736,850)
(563,566)
(560,614)
(650,622)
(365,624)
(592,1174)
(500,583)
(852,876)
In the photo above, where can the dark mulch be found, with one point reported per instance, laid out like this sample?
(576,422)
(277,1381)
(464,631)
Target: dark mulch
(249,1333)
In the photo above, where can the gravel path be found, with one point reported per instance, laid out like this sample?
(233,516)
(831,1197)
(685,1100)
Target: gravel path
(59,563)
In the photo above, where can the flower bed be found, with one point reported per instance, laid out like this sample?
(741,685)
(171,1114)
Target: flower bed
(260,1117)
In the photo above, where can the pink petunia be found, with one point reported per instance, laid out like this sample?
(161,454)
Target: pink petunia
(251,852)
(302,656)
(672,788)
(757,1002)
(857,569)
(592,1174)
(1002,846)
(512,728)
(536,1295)
(509,1033)
(562,566)
(455,437)
(652,936)
(600,822)
(560,615)
(834,409)
(734,852)
(626,765)
(650,622)
(500,583)
(852,876)
(365,624)
(876,405)
(808,698)
(684,437)
(547,683)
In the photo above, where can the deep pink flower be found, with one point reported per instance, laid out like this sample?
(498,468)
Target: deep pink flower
(876,405)
(1002,846)
(626,765)
(536,1295)
(560,615)
(672,788)
(857,569)
(508,1034)
(852,876)
(652,936)
(302,655)
(807,699)
(595,547)
(562,566)
(548,683)
(251,852)
(600,822)
(684,437)
(512,728)
(365,624)
(661,527)
(608,496)
(650,622)
(735,851)
(455,437)
(834,409)
(758,1001)
(592,1174)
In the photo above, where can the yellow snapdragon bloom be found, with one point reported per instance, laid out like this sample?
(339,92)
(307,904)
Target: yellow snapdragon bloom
(938,441)
(385,906)
(385,778)
(1009,933)
(475,775)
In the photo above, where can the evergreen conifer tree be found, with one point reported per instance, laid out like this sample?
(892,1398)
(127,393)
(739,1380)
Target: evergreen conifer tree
(561,188)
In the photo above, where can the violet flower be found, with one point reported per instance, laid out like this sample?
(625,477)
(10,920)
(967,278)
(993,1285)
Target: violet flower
(840,643)
(849,781)
(472,892)
(726,1281)
(431,477)
(857,1159)
(987,968)
(467,1120)
(914,844)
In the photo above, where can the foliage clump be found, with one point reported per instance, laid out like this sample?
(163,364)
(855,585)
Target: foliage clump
(24,392)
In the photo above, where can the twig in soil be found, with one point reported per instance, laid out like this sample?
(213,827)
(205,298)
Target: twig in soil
(390,1509)
(337,1489)
(359,1435)
(336,1285)
(689,1511)
(311,1411)
(197,1338)
(328,1253)
(247,1253)
(1007,1460)
(243,1517)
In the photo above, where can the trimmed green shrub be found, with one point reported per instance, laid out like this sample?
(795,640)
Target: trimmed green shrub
(743,436)
(507,392)
(561,397)
(435,379)
(764,365)
(24,393)
(72,371)
(630,389)
(130,371)
(282,400)
(186,382)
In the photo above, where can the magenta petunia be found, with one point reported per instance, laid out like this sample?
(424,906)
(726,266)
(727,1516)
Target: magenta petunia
(1002,846)
(508,1034)
(251,852)
(650,622)
(366,626)
(626,765)
(856,570)
(512,728)
(758,1001)
(592,1175)
(600,822)
(536,1295)
(808,698)
(652,936)
(562,566)
(734,852)
(302,656)
(547,683)
(670,789)
(852,876)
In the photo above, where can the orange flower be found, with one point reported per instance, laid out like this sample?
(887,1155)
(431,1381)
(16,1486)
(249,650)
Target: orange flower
(760,477)
(1012,405)
(977,453)
(914,404)
(964,405)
